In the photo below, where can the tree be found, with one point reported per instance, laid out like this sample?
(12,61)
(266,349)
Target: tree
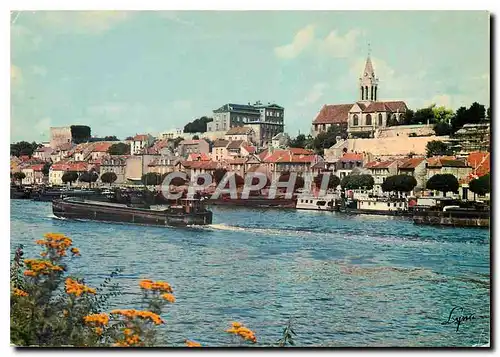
(442,114)
(399,183)
(23,148)
(488,114)
(46,168)
(19,176)
(443,182)
(151,178)
(129,138)
(327,139)
(109,177)
(442,128)
(218,175)
(424,116)
(475,114)
(89,177)
(177,141)
(333,181)
(196,137)
(198,125)
(111,138)
(481,185)
(299,142)
(69,176)
(119,149)
(354,182)
(438,148)
(80,133)
(407,119)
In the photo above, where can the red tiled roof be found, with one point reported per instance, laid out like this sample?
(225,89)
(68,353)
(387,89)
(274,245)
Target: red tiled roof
(449,161)
(280,156)
(333,114)
(411,163)
(263,154)
(199,157)
(236,144)
(220,143)
(101,147)
(480,163)
(237,161)
(24,157)
(379,164)
(37,167)
(207,165)
(393,106)
(300,151)
(351,156)
(250,149)
(141,137)
(70,166)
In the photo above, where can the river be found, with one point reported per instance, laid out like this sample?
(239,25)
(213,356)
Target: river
(345,281)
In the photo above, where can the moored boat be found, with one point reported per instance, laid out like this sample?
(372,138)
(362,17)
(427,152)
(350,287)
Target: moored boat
(321,203)
(377,206)
(452,215)
(186,212)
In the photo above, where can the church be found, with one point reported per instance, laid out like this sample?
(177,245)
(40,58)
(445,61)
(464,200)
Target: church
(363,118)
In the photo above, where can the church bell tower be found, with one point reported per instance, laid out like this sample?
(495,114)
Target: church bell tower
(368,83)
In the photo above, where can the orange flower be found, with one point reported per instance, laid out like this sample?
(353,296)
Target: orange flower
(242,331)
(74,287)
(146,284)
(192,343)
(19,292)
(169,297)
(75,251)
(30,273)
(127,331)
(98,330)
(98,319)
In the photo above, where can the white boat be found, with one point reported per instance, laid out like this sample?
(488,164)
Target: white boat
(322,203)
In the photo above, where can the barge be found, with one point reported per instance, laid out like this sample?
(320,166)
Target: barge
(376,206)
(452,216)
(184,213)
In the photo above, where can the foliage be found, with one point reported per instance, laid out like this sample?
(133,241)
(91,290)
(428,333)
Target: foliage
(354,182)
(475,114)
(196,137)
(69,176)
(442,128)
(52,309)
(177,141)
(442,114)
(481,185)
(108,177)
(327,139)
(19,176)
(198,125)
(333,181)
(129,138)
(80,133)
(438,148)
(119,149)
(299,180)
(407,119)
(299,142)
(46,168)
(443,182)
(88,176)
(23,148)
(399,183)
(287,337)
(424,116)
(151,178)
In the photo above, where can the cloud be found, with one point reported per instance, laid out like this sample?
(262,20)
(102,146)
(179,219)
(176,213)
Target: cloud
(88,22)
(338,46)
(39,70)
(300,42)
(315,94)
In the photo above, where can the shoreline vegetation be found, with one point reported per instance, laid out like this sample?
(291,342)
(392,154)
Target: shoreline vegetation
(50,308)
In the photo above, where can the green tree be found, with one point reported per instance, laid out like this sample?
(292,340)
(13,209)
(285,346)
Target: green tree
(475,114)
(198,125)
(80,133)
(109,177)
(119,149)
(442,128)
(327,139)
(69,176)
(407,119)
(111,138)
(22,148)
(354,182)
(89,177)
(481,185)
(19,176)
(442,114)
(46,168)
(196,137)
(129,138)
(333,181)
(151,178)
(424,116)
(177,141)
(443,183)
(399,183)
(299,142)
(438,148)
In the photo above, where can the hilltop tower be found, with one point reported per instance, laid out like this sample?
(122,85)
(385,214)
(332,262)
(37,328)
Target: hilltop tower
(368,83)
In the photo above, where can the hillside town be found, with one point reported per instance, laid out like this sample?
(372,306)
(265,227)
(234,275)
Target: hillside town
(367,137)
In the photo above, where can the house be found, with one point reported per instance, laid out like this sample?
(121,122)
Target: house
(234,149)
(280,141)
(100,150)
(187,147)
(236,165)
(193,168)
(43,153)
(33,174)
(198,157)
(61,152)
(137,165)
(448,165)
(380,171)
(159,147)
(116,164)
(243,133)
(58,169)
(219,150)
(163,164)
(480,164)
(415,167)
(344,165)
(280,161)
(140,142)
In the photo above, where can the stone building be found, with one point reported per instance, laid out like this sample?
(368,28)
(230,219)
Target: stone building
(366,116)
(60,136)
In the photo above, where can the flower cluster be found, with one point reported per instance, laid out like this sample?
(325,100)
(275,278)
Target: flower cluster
(40,267)
(160,286)
(74,287)
(131,313)
(192,343)
(57,241)
(169,297)
(97,319)
(128,341)
(75,251)
(240,330)
(19,292)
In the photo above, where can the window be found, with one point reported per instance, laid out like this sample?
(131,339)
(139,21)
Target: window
(355,120)
(388,205)
(380,121)
(368,119)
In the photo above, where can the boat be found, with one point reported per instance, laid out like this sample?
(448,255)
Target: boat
(324,203)
(50,194)
(453,213)
(377,206)
(20,193)
(253,202)
(185,212)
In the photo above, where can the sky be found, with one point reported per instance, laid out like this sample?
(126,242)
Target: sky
(124,73)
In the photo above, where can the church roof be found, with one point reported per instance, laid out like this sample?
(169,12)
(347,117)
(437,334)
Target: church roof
(333,114)
(392,106)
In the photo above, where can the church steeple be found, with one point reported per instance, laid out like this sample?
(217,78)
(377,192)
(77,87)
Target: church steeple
(368,82)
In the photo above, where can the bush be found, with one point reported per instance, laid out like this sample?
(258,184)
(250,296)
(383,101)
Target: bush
(443,182)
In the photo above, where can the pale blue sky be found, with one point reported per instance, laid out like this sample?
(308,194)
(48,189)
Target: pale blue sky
(131,72)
